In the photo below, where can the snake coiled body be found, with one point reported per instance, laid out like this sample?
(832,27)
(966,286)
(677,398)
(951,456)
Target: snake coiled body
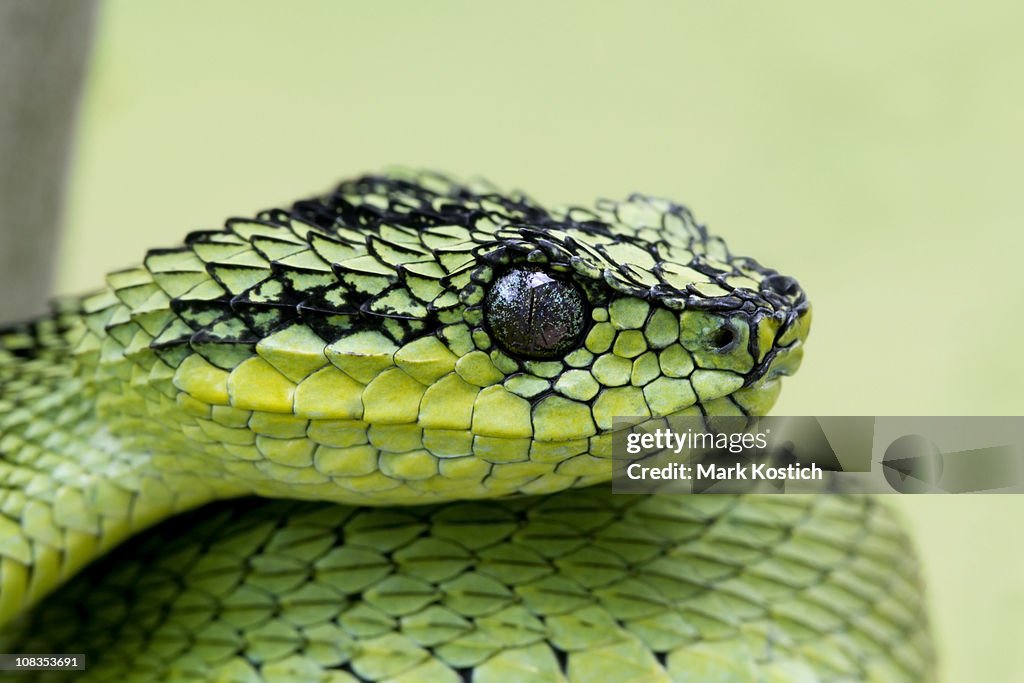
(433,368)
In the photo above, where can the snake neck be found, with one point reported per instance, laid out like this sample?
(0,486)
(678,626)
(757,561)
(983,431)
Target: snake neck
(69,489)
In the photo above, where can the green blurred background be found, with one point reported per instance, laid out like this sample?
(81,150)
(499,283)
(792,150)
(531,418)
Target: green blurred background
(873,150)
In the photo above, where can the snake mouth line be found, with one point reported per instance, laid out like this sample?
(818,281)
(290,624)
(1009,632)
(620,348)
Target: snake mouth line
(785,345)
(761,370)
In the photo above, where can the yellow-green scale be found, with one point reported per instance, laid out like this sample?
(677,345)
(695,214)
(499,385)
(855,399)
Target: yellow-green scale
(73,490)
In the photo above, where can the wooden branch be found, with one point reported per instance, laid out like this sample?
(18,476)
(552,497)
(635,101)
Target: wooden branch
(44,45)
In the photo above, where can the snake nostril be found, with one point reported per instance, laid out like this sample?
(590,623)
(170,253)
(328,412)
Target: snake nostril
(781,284)
(722,337)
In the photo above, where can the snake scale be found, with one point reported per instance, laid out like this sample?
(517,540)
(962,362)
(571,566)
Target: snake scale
(368,438)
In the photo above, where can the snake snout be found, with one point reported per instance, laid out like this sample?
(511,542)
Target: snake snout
(783,286)
(784,341)
(784,293)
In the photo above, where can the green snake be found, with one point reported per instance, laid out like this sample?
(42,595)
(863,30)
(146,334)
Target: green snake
(368,438)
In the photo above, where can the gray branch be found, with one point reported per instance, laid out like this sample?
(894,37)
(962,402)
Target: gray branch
(43,49)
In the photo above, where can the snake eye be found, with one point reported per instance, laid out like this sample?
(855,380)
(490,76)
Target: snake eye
(534,315)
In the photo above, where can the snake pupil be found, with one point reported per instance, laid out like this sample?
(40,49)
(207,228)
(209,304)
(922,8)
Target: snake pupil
(533,314)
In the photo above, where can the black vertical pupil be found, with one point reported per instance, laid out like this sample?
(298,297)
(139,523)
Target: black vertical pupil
(533,314)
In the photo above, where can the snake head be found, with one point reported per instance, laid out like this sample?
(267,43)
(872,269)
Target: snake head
(406,339)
